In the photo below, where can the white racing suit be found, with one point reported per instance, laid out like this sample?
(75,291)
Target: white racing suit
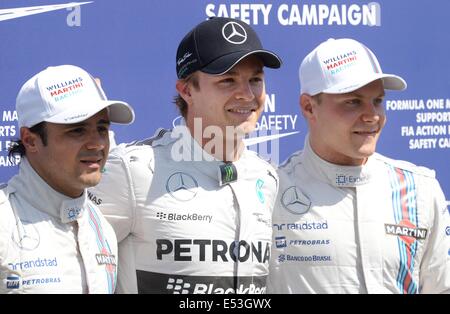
(380,228)
(50,243)
(182,227)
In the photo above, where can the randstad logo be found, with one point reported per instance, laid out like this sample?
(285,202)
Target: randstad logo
(73,18)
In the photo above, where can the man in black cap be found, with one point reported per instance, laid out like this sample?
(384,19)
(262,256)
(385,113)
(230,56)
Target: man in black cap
(191,206)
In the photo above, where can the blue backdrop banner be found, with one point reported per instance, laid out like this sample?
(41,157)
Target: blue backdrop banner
(131,46)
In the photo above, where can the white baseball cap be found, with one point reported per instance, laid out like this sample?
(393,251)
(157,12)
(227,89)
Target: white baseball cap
(66,94)
(339,66)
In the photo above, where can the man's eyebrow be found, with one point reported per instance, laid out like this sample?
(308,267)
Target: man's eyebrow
(104,121)
(256,72)
(259,71)
(356,94)
(83,123)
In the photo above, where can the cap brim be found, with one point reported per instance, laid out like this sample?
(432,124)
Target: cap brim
(225,63)
(119,112)
(394,82)
(390,82)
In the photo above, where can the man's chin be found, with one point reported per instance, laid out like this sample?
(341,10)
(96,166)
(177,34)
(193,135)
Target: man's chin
(245,128)
(90,180)
(366,152)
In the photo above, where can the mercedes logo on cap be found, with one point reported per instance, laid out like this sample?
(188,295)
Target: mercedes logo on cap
(295,201)
(234,33)
(180,186)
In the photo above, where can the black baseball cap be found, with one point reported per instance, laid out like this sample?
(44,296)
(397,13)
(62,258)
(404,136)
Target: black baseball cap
(218,44)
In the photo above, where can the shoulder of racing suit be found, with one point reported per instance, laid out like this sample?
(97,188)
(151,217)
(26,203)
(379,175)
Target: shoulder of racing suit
(260,159)
(161,137)
(141,152)
(296,158)
(406,165)
(257,162)
(289,164)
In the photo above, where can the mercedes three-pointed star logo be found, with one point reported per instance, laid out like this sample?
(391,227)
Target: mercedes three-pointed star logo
(181,186)
(234,33)
(295,201)
(26,235)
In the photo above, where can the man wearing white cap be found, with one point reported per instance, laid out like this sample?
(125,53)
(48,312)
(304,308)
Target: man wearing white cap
(349,220)
(53,239)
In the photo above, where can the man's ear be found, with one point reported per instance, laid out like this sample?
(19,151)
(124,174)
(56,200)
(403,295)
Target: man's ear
(30,140)
(184,89)
(306,106)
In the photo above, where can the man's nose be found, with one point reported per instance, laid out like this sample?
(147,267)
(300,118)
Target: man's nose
(97,140)
(245,92)
(372,113)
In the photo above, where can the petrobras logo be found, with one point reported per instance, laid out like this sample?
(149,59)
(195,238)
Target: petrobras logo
(312,242)
(300,14)
(73,18)
(280,242)
(41,281)
(13,281)
(207,250)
